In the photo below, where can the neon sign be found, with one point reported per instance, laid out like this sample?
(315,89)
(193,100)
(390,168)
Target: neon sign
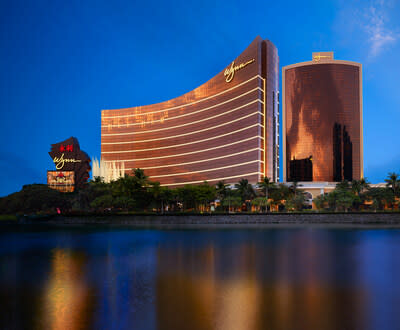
(230,72)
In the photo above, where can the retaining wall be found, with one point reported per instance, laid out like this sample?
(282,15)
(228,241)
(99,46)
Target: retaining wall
(237,219)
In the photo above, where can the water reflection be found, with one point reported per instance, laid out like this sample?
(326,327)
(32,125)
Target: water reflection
(232,279)
(294,283)
(67,300)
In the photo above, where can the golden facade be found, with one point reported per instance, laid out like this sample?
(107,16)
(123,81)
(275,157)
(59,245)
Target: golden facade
(322,120)
(222,130)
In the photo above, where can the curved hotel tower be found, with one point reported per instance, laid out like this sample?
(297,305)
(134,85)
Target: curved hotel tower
(322,120)
(226,129)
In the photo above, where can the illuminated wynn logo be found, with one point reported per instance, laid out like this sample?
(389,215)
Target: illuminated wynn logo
(318,57)
(230,72)
(60,161)
(322,56)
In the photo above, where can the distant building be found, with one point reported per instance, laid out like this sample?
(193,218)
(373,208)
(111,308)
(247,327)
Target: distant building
(226,129)
(322,120)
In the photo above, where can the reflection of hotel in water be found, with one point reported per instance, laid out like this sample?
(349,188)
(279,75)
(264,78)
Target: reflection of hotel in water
(218,131)
(244,287)
(322,120)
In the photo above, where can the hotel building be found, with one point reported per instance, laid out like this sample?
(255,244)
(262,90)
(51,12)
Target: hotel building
(322,120)
(226,129)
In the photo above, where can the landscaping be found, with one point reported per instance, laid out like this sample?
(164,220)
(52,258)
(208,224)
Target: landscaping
(136,194)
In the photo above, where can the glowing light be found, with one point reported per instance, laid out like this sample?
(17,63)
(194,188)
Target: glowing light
(203,160)
(175,145)
(136,109)
(162,119)
(192,152)
(191,123)
(216,179)
(230,72)
(207,170)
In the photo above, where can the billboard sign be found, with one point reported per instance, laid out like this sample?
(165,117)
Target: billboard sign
(68,157)
(61,180)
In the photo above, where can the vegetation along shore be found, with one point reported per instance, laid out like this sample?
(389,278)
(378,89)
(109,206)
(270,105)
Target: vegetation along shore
(133,194)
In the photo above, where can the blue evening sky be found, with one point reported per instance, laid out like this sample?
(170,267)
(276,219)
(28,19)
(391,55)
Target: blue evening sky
(61,62)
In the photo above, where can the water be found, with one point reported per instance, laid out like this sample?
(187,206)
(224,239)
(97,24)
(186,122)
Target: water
(121,278)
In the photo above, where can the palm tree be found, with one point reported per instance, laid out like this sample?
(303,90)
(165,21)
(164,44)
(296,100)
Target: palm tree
(260,202)
(159,194)
(266,184)
(344,185)
(232,201)
(393,182)
(381,197)
(356,187)
(295,187)
(166,196)
(365,185)
(320,201)
(282,192)
(359,186)
(222,189)
(295,202)
(245,190)
(140,178)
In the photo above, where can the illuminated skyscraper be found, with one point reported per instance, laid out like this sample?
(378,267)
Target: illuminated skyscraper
(225,129)
(322,120)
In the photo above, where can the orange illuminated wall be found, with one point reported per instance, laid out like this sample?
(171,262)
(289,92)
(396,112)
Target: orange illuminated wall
(322,120)
(218,131)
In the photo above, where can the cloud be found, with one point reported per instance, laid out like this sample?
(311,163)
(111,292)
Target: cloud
(372,26)
(376,27)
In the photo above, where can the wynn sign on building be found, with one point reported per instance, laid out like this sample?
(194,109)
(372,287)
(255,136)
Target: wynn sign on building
(226,129)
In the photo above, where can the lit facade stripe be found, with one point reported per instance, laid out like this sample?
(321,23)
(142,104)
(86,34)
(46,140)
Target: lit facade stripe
(186,124)
(202,130)
(216,179)
(183,105)
(203,160)
(186,153)
(265,131)
(207,170)
(184,115)
(174,136)
(177,145)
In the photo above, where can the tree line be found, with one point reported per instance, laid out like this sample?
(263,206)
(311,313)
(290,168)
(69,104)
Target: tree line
(359,195)
(136,193)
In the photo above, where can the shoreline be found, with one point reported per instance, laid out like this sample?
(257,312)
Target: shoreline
(269,220)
